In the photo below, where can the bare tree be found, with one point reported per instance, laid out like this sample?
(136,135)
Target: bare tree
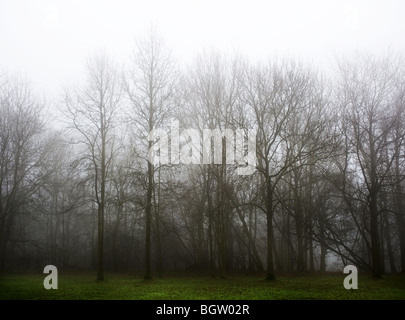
(368,96)
(21,124)
(287,110)
(149,85)
(92,111)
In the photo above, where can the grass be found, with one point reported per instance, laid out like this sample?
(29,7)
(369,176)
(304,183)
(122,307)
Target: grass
(129,287)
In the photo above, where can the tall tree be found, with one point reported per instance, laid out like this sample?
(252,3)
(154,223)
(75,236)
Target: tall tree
(149,85)
(93,112)
(287,110)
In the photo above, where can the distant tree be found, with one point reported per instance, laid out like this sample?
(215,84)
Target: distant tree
(370,112)
(21,125)
(212,96)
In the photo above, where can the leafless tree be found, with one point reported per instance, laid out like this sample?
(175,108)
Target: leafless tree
(21,125)
(287,110)
(368,92)
(93,112)
(149,86)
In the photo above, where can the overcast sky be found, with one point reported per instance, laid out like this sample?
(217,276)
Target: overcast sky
(50,41)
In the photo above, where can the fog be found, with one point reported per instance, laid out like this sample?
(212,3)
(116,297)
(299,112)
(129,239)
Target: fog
(50,41)
(302,103)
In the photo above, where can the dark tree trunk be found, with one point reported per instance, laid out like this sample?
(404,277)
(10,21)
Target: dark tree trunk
(400,205)
(100,242)
(101,204)
(390,252)
(375,241)
(148,222)
(269,215)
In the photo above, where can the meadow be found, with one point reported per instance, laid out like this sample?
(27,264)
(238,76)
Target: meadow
(72,286)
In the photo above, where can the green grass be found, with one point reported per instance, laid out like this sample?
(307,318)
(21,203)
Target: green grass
(127,287)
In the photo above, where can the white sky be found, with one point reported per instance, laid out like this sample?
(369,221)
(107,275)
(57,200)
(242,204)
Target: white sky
(50,41)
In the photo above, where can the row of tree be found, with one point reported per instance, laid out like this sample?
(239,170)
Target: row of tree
(328,182)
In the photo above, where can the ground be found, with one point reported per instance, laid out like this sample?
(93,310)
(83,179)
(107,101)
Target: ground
(133,287)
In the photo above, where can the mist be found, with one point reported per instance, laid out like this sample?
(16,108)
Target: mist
(88,91)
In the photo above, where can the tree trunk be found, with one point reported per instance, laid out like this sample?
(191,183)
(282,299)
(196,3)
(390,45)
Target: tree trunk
(400,205)
(375,243)
(157,204)
(309,219)
(322,263)
(373,196)
(269,216)
(101,202)
(100,251)
(148,221)
(210,228)
(390,252)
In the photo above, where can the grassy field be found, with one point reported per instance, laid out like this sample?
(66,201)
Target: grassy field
(127,287)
